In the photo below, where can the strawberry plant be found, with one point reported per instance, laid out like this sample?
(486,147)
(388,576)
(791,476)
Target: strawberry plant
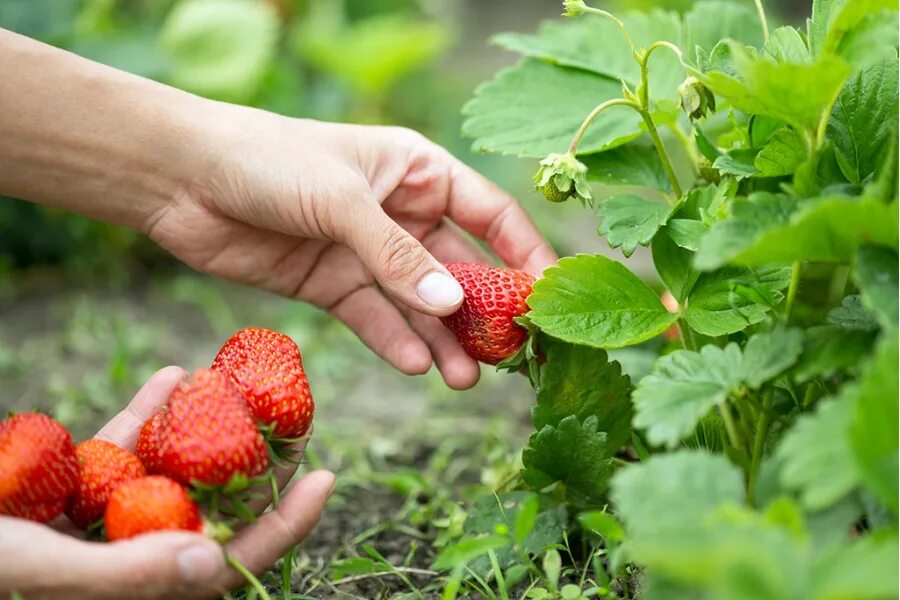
(754,453)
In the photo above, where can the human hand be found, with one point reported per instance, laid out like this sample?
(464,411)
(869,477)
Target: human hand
(38,561)
(354,219)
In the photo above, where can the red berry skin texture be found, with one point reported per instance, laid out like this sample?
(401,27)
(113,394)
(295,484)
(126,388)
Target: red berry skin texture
(207,433)
(147,449)
(267,368)
(152,503)
(102,467)
(38,470)
(493,297)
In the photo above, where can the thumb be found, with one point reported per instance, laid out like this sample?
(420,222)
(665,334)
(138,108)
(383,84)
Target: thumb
(401,264)
(162,565)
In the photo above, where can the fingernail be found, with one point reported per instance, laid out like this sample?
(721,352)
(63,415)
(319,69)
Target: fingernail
(199,564)
(439,290)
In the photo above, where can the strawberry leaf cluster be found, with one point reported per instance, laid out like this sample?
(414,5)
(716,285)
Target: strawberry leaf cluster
(740,438)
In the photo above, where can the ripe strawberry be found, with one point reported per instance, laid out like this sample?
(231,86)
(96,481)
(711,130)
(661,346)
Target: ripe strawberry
(267,368)
(147,449)
(484,324)
(102,467)
(207,434)
(38,470)
(152,503)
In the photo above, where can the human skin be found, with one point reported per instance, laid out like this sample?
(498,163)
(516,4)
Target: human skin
(354,219)
(49,562)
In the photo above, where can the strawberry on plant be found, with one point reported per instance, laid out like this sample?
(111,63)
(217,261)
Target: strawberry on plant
(207,434)
(267,368)
(562,176)
(493,297)
(152,503)
(38,470)
(102,467)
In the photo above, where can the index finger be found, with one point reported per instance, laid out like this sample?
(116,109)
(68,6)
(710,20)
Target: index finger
(124,428)
(487,212)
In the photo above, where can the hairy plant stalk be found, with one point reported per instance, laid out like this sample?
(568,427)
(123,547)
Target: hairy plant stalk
(762,19)
(733,436)
(582,129)
(759,442)
(792,291)
(250,577)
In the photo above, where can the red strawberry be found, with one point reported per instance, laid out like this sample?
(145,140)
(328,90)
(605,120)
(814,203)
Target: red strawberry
(207,434)
(484,324)
(147,449)
(102,467)
(151,503)
(38,470)
(267,368)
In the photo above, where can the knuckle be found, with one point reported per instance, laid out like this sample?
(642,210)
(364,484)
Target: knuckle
(401,255)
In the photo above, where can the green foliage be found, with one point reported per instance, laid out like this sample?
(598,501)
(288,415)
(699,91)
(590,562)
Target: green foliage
(772,222)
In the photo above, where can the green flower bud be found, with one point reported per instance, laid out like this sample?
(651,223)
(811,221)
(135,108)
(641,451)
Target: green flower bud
(574,8)
(562,176)
(695,98)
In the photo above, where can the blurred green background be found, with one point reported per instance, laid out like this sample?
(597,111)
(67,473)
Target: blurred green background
(88,311)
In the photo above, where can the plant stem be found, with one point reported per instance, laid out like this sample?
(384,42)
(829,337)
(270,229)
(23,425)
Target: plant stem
(619,24)
(287,569)
(808,395)
(661,150)
(250,577)
(759,441)
(762,19)
(733,435)
(593,115)
(687,337)
(690,147)
(792,291)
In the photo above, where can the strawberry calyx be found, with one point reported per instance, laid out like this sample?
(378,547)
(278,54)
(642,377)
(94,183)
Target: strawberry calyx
(527,358)
(230,500)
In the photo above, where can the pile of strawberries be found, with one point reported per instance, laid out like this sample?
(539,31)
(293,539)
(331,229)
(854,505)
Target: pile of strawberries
(215,439)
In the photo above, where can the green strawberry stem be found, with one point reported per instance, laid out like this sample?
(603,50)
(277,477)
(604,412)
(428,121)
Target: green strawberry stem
(287,573)
(250,577)
(759,440)
(614,19)
(762,19)
(593,115)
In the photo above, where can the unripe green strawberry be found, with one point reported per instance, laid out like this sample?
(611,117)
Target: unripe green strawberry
(493,297)
(267,368)
(207,434)
(38,470)
(153,503)
(562,176)
(102,467)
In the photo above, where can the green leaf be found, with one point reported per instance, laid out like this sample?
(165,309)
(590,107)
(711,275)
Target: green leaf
(629,220)
(596,44)
(863,569)
(864,120)
(876,275)
(603,523)
(596,301)
(674,492)
(731,299)
(782,155)
(673,263)
(851,314)
(751,218)
(683,387)
(822,229)
(635,164)
(534,109)
(871,40)
(873,430)
(465,551)
(572,453)
(770,353)
(220,48)
(797,94)
(372,54)
(357,565)
(736,21)
(815,454)
(739,163)
(846,15)
(686,233)
(829,349)
(786,45)
(512,509)
(526,518)
(580,381)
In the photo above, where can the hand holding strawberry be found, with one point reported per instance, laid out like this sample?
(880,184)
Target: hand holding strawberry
(36,560)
